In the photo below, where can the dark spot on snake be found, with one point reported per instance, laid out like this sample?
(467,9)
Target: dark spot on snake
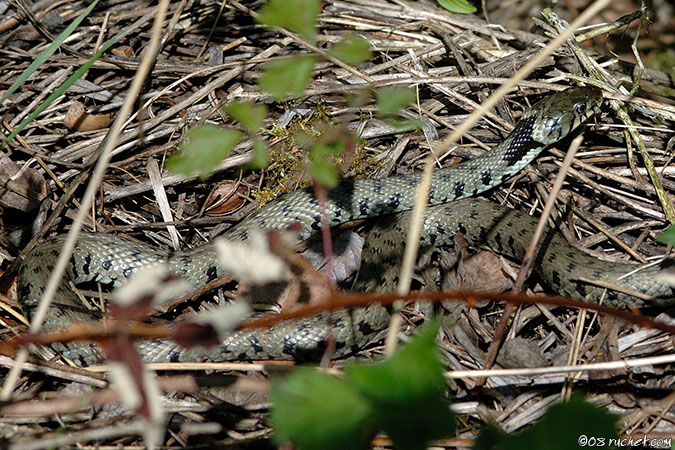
(135,256)
(363,206)
(365,328)
(337,214)
(459,189)
(555,279)
(174,356)
(394,200)
(288,347)
(461,228)
(107,264)
(316,222)
(211,273)
(580,288)
(486,177)
(255,344)
(86,266)
(571,266)
(511,242)
(128,272)
(186,260)
(498,242)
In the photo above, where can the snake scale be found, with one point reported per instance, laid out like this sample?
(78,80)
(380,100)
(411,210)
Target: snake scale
(111,259)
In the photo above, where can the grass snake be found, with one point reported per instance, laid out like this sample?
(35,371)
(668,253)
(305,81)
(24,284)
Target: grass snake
(111,259)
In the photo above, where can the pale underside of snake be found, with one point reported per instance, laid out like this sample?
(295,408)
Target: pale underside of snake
(111,259)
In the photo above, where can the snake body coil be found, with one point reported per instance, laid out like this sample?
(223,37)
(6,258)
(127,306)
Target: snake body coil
(112,259)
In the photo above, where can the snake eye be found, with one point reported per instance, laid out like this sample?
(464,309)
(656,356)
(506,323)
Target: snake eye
(580,108)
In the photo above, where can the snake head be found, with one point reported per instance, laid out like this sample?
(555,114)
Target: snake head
(557,115)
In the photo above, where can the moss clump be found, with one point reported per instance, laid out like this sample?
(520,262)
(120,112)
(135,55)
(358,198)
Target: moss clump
(289,157)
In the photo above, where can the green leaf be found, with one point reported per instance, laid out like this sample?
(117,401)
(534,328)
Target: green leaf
(352,50)
(324,173)
(566,426)
(321,166)
(202,150)
(457,6)
(406,393)
(294,15)
(318,411)
(391,99)
(249,115)
(668,236)
(287,78)
(404,125)
(42,57)
(260,155)
(402,396)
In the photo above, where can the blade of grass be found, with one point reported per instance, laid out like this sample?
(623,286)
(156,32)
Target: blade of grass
(48,52)
(62,89)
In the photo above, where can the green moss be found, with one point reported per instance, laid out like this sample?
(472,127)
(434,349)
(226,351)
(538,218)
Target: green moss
(364,163)
(289,156)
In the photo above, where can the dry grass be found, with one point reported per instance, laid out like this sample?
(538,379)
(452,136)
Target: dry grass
(455,62)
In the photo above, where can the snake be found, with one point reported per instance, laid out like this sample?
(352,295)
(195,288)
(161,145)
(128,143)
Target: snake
(112,259)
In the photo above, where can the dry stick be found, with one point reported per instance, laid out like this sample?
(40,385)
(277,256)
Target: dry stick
(573,356)
(528,259)
(95,331)
(530,372)
(425,184)
(453,374)
(151,52)
(612,237)
(162,200)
